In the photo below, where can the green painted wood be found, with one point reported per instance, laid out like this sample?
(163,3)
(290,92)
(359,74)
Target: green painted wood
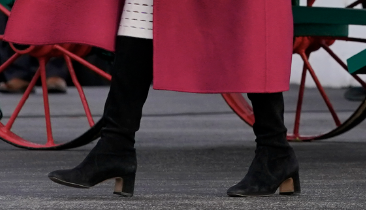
(296,2)
(7,3)
(332,22)
(321,21)
(357,63)
(329,30)
(323,15)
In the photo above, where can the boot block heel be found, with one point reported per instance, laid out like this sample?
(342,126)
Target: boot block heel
(287,187)
(290,185)
(125,186)
(297,186)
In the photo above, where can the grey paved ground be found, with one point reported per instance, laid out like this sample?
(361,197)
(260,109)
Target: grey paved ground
(191,148)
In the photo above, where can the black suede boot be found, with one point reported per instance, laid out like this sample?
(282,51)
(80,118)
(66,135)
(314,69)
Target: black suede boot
(114,156)
(275,164)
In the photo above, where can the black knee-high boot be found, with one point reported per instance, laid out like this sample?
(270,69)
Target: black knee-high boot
(114,156)
(275,164)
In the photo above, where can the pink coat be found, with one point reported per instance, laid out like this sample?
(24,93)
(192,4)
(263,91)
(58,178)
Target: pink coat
(201,46)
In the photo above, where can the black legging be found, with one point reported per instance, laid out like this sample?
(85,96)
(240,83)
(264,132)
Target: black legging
(131,78)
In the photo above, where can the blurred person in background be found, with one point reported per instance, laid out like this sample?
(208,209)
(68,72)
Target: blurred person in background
(20,72)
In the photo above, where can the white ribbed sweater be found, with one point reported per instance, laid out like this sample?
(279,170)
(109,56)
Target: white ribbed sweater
(137,19)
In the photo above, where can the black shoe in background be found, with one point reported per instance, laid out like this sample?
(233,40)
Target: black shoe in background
(355,94)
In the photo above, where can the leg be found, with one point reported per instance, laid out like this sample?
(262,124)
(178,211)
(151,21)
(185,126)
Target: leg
(275,164)
(20,68)
(19,73)
(56,75)
(114,155)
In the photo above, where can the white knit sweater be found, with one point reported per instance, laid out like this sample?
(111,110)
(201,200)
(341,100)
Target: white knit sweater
(137,19)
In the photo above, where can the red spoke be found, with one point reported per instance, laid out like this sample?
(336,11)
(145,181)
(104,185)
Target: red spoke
(42,66)
(84,62)
(310,3)
(300,101)
(341,63)
(321,90)
(80,90)
(4,10)
(240,106)
(24,98)
(9,61)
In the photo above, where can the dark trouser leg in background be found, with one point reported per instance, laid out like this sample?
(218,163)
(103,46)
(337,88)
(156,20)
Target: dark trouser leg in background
(275,164)
(21,71)
(20,68)
(114,156)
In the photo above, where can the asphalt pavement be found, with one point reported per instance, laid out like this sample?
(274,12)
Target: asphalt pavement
(191,148)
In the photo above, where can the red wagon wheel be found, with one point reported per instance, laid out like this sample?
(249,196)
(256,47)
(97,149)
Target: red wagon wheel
(338,122)
(12,134)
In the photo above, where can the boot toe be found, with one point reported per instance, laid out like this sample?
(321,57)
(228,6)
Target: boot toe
(236,191)
(67,178)
(59,174)
(240,190)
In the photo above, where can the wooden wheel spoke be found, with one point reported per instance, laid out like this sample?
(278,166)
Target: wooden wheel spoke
(9,61)
(12,133)
(341,63)
(240,106)
(4,10)
(22,101)
(300,101)
(310,2)
(321,90)
(334,56)
(80,90)
(42,63)
(84,62)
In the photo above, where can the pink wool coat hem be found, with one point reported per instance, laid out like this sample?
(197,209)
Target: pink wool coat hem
(205,46)
(217,46)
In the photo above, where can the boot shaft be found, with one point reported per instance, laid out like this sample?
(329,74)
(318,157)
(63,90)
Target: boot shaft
(131,80)
(269,126)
